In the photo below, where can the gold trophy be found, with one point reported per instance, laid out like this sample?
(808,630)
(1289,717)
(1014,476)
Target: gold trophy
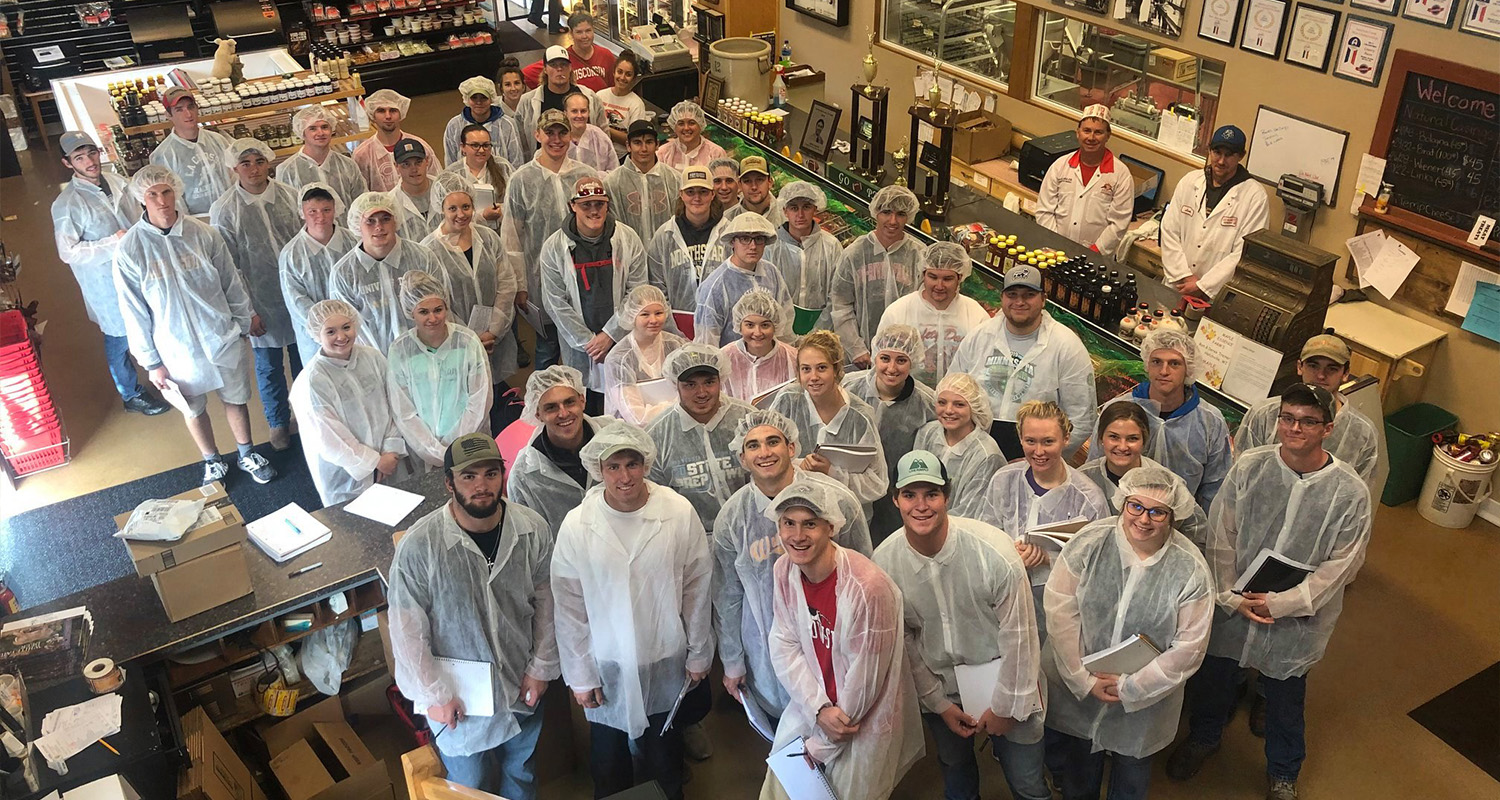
(899,159)
(871,65)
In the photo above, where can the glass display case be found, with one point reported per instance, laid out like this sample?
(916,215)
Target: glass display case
(971,36)
(615,19)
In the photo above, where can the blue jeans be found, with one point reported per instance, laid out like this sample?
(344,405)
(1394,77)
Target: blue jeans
(121,367)
(548,348)
(271,379)
(508,769)
(1021,763)
(1129,778)
(1212,693)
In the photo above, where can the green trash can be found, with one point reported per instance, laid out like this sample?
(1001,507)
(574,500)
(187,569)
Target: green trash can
(1408,445)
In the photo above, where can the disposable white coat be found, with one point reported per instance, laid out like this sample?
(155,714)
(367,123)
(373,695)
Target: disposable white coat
(672,268)
(1322,519)
(416,222)
(535,482)
(627,366)
(643,200)
(874,685)
(745,547)
(1012,506)
(200,165)
(85,224)
(490,281)
(337,170)
(942,330)
(632,621)
(969,604)
(1058,367)
(1354,439)
(438,395)
(447,601)
(504,141)
(1209,245)
(896,422)
(346,422)
(1195,528)
(595,149)
(306,267)
(751,377)
(853,424)
(564,305)
(1192,442)
(773,213)
(673,155)
(373,288)
(536,206)
(696,459)
(182,300)
(713,316)
(971,464)
(1101,593)
(1095,212)
(529,110)
(256,228)
(378,166)
(807,268)
(867,280)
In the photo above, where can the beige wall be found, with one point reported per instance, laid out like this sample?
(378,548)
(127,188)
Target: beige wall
(1464,379)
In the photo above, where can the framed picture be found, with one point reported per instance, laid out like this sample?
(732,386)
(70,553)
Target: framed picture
(1310,43)
(833,12)
(1158,16)
(1362,48)
(822,129)
(1431,12)
(1378,6)
(1220,21)
(1265,27)
(713,91)
(1481,18)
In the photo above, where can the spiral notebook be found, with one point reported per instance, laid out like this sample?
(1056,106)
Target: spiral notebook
(799,781)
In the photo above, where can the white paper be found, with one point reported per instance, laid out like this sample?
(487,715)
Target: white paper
(657,390)
(287,532)
(759,720)
(384,504)
(67,731)
(1392,264)
(1177,131)
(471,683)
(798,780)
(113,787)
(1362,250)
(976,685)
(480,318)
(1371,174)
(1234,363)
(1483,227)
(1463,287)
(851,458)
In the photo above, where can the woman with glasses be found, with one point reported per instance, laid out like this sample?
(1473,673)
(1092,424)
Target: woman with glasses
(1117,579)
(1122,433)
(481,173)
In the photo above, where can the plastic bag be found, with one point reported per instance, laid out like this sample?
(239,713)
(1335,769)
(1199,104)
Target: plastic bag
(162,520)
(326,654)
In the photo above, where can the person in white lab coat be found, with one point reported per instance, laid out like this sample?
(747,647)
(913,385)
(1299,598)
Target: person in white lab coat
(479,95)
(745,268)
(349,436)
(644,187)
(942,315)
(590,144)
(693,437)
(1204,226)
(631,583)
(472,581)
(759,362)
(689,245)
(755,192)
(874,271)
(967,602)
(89,218)
(387,109)
(305,264)
(837,645)
(420,194)
(806,254)
(549,95)
(194,154)
(960,437)
(640,358)
(1088,195)
(318,161)
(367,276)
(1124,429)
(548,476)
(186,315)
(688,148)
(481,173)
(1304,504)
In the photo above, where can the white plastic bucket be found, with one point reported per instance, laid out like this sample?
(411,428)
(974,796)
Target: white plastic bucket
(1454,489)
(744,64)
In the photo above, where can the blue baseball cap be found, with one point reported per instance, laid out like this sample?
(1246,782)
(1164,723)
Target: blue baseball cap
(1228,136)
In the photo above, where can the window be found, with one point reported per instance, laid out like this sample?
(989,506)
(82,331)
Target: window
(975,35)
(1154,91)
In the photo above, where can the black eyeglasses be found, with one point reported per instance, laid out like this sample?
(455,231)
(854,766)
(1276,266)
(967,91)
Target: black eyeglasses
(479,145)
(1299,422)
(1135,509)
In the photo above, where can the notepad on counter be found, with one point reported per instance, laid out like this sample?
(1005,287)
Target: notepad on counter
(472,683)
(1272,572)
(384,504)
(849,457)
(287,532)
(797,779)
(976,686)
(1131,655)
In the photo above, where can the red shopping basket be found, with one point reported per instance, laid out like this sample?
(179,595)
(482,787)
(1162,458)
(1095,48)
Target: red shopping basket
(38,460)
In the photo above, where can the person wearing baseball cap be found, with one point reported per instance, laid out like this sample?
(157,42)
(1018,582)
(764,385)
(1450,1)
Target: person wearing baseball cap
(1204,226)
(89,218)
(551,93)
(195,154)
(645,187)
(1088,196)
(688,246)
(387,109)
(694,456)
(744,239)
(1324,363)
(1023,354)
(421,197)
(472,580)
(479,95)
(942,563)
(755,192)
(369,276)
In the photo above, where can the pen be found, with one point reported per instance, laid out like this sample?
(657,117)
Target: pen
(308,568)
(109,747)
(292,525)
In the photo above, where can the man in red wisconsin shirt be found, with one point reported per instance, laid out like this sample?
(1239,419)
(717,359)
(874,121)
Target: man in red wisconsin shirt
(593,67)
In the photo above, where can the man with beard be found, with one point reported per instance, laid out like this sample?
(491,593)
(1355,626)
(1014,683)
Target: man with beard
(375,155)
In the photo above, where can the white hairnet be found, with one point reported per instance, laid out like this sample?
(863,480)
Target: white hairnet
(964,385)
(815,497)
(151,175)
(898,199)
(478,85)
(239,147)
(902,339)
(306,115)
(322,310)
(758,418)
(691,356)
(1161,484)
(544,380)
(949,256)
(1163,339)
(370,202)
(614,437)
(802,190)
(757,303)
(724,163)
(417,285)
(338,202)
(747,224)
(686,109)
(387,98)
(639,299)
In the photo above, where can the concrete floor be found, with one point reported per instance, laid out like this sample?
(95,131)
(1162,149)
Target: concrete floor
(1419,620)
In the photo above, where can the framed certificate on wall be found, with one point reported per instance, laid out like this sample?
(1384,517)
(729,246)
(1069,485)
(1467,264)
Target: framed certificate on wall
(1432,12)
(1310,42)
(1362,48)
(1265,27)
(1220,21)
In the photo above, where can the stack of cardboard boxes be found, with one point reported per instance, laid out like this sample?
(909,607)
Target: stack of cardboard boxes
(207,567)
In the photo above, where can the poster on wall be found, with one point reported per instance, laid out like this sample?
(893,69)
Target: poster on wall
(1432,12)
(1220,21)
(1265,24)
(1379,6)
(1310,43)
(1482,18)
(1362,48)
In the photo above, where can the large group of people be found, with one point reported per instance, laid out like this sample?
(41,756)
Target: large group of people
(825,464)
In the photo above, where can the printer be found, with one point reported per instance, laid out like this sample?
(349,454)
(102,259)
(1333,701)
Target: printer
(1038,153)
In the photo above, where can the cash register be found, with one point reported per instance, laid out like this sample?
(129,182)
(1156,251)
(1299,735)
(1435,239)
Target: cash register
(1278,296)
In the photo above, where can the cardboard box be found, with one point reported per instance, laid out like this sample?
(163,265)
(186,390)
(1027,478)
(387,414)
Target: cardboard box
(315,755)
(214,770)
(1174,65)
(204,569)
(203,583)
(980,136)
(220,526)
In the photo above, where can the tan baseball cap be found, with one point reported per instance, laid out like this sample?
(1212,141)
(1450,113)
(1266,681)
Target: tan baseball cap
(552,118)
(1328,346)
(697,178)
(753,164)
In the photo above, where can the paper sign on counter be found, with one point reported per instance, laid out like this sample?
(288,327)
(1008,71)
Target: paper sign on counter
(384,504)
(1483,227)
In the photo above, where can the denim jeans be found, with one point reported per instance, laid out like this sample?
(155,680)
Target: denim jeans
(270,377)
(508,769)
(1021,763)
(1212,693)
(548,349)
(1129,778)
(121,367)
(614,766)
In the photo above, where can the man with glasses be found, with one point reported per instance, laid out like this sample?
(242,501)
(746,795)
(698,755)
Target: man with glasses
(479,94)
(1304,505)
(746,238)
(195,154)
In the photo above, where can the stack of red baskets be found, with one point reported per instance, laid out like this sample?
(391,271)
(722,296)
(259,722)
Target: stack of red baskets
(31,433)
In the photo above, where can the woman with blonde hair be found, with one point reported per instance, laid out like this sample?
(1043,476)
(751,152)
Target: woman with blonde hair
(960,436)
(639,358)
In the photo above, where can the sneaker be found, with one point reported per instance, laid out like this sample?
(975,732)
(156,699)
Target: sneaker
(1188,758)
(214,471)
(537,21)
(696,744)
(259,468)
(146,404)
(1258,716)
(1282,790)
(281,438)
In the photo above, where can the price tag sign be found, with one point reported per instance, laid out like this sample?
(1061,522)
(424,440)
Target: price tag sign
(1483,227)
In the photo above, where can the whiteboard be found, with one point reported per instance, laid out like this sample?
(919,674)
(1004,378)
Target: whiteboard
(1282,143)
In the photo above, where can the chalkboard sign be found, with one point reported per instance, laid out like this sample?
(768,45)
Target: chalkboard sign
(1440,132)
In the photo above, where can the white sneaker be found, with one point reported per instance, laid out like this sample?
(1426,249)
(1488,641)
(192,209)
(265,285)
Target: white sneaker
(214,470)
(259,468)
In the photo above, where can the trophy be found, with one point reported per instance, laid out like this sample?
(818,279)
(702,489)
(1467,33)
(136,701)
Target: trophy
(867,132)
(898,158)
(871,65)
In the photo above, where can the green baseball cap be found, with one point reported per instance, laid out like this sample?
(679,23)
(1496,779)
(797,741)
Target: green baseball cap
(471,449)
(920,466)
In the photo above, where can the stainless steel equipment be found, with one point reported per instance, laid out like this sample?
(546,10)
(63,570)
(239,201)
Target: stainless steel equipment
(1301,198)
